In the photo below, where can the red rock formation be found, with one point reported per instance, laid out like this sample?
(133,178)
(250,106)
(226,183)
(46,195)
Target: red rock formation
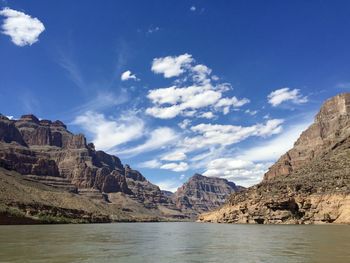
(44,148)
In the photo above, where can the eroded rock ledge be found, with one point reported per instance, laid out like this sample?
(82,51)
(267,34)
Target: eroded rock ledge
(310,184)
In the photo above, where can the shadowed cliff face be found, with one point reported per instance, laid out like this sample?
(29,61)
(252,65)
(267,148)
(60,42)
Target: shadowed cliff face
(31,146)
(201,193)
(309,184)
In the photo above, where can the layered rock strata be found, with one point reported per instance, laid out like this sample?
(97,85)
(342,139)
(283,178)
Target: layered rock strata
(310,184)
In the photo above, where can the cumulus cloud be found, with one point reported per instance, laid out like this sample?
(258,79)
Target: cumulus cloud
(157,139)
(176,167)
(186,100)
(107,132)
(128,75)
(171,66)
(193,8)
(183,99)
(22,28)
(184,124)
(279,96)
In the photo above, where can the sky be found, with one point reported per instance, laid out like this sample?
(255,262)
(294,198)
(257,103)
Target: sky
(173,88)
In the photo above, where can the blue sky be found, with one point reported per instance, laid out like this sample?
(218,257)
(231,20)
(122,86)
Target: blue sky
(177,87)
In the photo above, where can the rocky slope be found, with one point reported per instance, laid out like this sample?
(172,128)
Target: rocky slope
(47,153)
(309,184)
(202,194)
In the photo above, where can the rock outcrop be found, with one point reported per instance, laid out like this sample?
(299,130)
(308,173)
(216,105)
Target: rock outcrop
(201,194)
(47,152)
(309,184)
(331,125)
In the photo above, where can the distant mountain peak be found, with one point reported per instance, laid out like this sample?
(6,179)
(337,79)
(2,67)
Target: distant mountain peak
(201,193)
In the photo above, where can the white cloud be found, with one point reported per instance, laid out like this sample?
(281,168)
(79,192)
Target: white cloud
(128,75)
(207,115)
(272,149)
(251,112)
(200,74)
(176,167)
(169,185)
(229,163)
(217,134)
(185,100)
(192,98)
(184,124)
(158,138)
(174,156)
(171,66)
(108,132)
(150,164)
(225,103)
(215,78)
(276,97)
(193,8)
(241,172)
(249,165)
(22,28)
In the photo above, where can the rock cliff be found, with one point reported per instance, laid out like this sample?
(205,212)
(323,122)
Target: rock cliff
(47,152)
(202,194)
(309,184)
(53,159)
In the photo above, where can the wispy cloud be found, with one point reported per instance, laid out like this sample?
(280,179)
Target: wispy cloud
(157,139)
(108,132)
(176,167)
(73,71)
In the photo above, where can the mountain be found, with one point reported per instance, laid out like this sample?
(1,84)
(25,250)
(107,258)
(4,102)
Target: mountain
(309,184)
(48,174)
(49,158)
(201,194)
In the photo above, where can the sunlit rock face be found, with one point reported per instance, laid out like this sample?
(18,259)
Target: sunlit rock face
(310,184)
(46,148)
(331,125)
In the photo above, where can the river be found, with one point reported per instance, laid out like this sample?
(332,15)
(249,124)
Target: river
(175,242)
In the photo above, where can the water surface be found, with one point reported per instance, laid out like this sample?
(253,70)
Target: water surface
(174,242)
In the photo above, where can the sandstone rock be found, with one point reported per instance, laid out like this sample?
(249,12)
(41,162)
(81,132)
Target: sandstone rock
(332,125)
(44,148)
(307,185)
